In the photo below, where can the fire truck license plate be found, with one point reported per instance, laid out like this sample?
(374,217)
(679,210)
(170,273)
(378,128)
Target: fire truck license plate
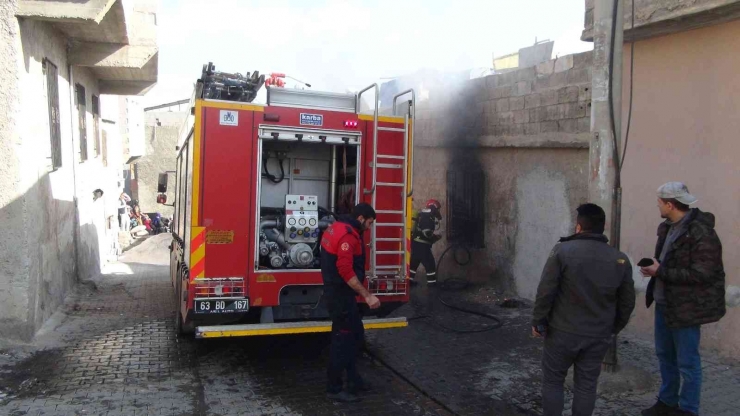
(221,306)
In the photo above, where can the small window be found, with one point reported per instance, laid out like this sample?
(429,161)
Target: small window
(82,120)
(52,92)
(96,123)
(465,212)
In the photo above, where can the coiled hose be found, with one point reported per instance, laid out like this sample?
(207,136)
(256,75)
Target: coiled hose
(457,284)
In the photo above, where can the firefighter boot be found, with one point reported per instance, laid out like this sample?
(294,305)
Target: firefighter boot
(412,278)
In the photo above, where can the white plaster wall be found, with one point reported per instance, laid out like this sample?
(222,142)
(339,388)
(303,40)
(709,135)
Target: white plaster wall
(90,175)
(47,195)
(544,216)
(37,255)
(95,233)
(13,297)
(45,212)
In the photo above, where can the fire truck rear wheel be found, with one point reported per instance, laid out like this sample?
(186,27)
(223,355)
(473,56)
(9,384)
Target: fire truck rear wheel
(181,328)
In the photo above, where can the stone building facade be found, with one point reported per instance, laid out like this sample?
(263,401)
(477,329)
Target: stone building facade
(61,58)
(514,145)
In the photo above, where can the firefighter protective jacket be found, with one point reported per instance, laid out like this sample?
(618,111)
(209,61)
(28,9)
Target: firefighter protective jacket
(426,225)
(342,255)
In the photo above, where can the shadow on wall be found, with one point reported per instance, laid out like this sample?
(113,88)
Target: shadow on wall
(37,256)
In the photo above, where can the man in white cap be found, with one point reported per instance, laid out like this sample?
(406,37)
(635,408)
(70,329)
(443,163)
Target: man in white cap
(688,286)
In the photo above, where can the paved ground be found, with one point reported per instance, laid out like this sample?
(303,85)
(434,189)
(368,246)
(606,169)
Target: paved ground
(487,373)
(112,351)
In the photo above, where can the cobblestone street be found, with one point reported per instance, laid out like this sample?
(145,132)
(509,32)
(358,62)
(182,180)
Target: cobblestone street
(113,352)
(489,372)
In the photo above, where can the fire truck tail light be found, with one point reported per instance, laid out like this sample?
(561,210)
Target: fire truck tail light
(350,123)
(218,287)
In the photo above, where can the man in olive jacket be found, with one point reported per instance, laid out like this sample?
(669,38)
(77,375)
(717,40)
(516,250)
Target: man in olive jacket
(688,286)
(586,295)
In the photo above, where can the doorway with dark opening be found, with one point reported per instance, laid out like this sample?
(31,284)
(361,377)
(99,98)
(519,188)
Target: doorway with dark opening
(465,208)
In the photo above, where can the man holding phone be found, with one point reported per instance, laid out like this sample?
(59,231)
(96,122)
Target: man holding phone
(586,295)
(687,283)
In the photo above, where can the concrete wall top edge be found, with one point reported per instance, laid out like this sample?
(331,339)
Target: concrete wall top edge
(662,17)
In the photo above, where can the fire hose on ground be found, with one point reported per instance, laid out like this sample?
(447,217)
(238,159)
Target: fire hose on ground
(457,284)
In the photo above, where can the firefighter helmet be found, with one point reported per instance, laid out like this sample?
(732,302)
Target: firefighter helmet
(433,203)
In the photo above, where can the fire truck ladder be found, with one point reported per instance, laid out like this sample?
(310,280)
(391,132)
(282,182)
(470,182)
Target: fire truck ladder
(404,192)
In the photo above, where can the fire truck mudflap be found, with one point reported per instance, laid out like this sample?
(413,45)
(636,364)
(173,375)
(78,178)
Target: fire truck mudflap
(284,328)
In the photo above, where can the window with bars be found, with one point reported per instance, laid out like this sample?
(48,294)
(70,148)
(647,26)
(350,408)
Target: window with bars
(52,93)
(465,208)
(82,120)
(96,123)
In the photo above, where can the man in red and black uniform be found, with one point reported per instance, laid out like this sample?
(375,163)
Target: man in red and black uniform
(343,270)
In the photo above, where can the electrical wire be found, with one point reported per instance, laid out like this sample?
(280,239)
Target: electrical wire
(271,177)
(632,73)
(617,164)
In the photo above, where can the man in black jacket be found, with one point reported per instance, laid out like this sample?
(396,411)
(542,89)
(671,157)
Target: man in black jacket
(688,286)
(586,295)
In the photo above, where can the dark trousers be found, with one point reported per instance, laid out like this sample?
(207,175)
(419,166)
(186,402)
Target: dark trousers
(421,253)
(347,334)
(563,350)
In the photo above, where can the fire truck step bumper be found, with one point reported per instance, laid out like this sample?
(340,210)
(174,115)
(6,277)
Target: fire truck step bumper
(289,328)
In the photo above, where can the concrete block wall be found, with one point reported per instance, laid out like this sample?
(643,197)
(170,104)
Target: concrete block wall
(161,135)
(527,132)
(554,96)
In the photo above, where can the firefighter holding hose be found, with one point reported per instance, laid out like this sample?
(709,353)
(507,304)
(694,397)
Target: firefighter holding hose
(424,236)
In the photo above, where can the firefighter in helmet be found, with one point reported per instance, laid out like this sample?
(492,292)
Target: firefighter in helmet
(424,236)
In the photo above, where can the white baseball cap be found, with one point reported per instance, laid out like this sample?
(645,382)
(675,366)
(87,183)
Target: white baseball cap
(678,191)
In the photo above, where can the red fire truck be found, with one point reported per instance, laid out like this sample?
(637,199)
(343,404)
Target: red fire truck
(256,185)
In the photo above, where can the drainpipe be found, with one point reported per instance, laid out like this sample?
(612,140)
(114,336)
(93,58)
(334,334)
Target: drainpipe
(604,186)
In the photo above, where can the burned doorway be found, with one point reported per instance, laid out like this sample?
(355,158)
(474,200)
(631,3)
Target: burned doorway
(465,208)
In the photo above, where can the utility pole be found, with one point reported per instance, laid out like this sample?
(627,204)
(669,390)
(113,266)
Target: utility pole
(604,188)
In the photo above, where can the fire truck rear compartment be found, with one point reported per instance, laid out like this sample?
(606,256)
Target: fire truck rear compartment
(299,188)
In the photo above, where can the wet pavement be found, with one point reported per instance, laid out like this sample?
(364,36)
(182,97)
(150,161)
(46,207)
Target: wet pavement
(111,350)
(497,372)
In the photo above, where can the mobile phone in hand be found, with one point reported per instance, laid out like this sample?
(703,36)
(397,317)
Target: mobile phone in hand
(645,262)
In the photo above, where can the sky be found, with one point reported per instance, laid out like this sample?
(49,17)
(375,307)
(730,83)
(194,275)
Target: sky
(346,45)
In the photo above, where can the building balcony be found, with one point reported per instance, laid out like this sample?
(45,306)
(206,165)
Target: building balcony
(115,39)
